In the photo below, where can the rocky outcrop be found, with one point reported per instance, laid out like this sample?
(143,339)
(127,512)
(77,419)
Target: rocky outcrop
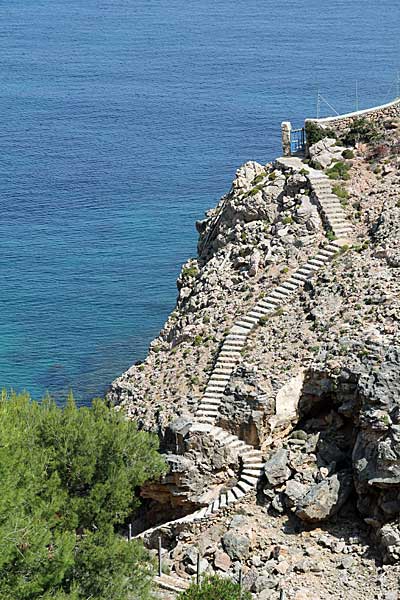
(284,348)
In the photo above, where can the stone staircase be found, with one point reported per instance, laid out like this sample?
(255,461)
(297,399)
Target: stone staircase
(249,473)
(251,460)
(229,355)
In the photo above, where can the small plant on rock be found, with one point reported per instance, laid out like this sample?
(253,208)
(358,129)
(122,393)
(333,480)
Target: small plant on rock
(215,588)
(340,170)
(348,154)
(340,192)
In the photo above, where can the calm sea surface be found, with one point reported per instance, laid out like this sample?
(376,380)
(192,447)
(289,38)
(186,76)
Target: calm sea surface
(121,122)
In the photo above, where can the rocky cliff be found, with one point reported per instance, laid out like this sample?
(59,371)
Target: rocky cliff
(292,449)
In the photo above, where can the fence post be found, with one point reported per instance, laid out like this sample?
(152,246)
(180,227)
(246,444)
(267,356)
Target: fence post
(198,569)
(286,128)
(240,580)
(159,557)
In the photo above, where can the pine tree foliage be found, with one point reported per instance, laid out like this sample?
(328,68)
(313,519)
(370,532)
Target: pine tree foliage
(67,481)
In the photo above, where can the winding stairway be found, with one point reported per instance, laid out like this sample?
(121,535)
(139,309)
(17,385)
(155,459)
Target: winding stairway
(251,459)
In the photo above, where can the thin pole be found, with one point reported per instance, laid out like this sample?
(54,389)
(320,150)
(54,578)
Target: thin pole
(198,569)
(159,557)
(240,577)
(130,532)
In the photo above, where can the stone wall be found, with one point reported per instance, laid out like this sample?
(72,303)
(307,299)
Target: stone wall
(342,122)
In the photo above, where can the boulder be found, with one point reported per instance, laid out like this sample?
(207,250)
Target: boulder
(325,499)
(276,468)
(237,546)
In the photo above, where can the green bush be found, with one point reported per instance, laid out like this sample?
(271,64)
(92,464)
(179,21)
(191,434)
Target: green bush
(340,192)
(315,133)
(67,482)
(190,271)
(361,130)
(215,588)
(348,154)
(340,170)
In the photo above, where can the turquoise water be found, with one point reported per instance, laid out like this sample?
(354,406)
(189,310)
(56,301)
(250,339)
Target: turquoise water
(122,121)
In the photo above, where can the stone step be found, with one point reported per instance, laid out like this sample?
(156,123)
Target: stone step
(253,465)
(229,351)
(222,370)
(244,486)
(249,479)
(222,501)
(215,505)
(217,383)
(316,262)
(256,314)
(231,347)
(250,320)
(252,472)
(208,406)
(273,301)
(280,296)
(230,497)
(267,305)
(211,395)
(325,258)
(290,286)
(219,376)
(247,326)
(238,493)
(205,419)
(249,451)
(233,341)
(328,253)
(238,330)
(209,412)
(281,289)
(300,276)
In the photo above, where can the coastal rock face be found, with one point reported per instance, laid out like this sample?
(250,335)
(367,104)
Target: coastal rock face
(316,390)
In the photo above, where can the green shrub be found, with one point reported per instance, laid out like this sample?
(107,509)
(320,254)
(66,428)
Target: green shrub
(361,130)
(215,588)
(287,220)
(315,133)
(340,192)
(263,320)
(304,171)
(68,477)
(348,154)
(198,340)
(259,178)
(330,235)
(272,176)
(190,271)
(340,170)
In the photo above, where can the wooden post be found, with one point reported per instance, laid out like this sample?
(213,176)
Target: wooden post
(240,580)
(130,532)
(198,569)
(159,558)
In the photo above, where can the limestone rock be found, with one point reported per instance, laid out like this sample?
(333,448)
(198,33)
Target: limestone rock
(237,546)
(325,498)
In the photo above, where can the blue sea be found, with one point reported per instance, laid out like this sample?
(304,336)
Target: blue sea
(122,121)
